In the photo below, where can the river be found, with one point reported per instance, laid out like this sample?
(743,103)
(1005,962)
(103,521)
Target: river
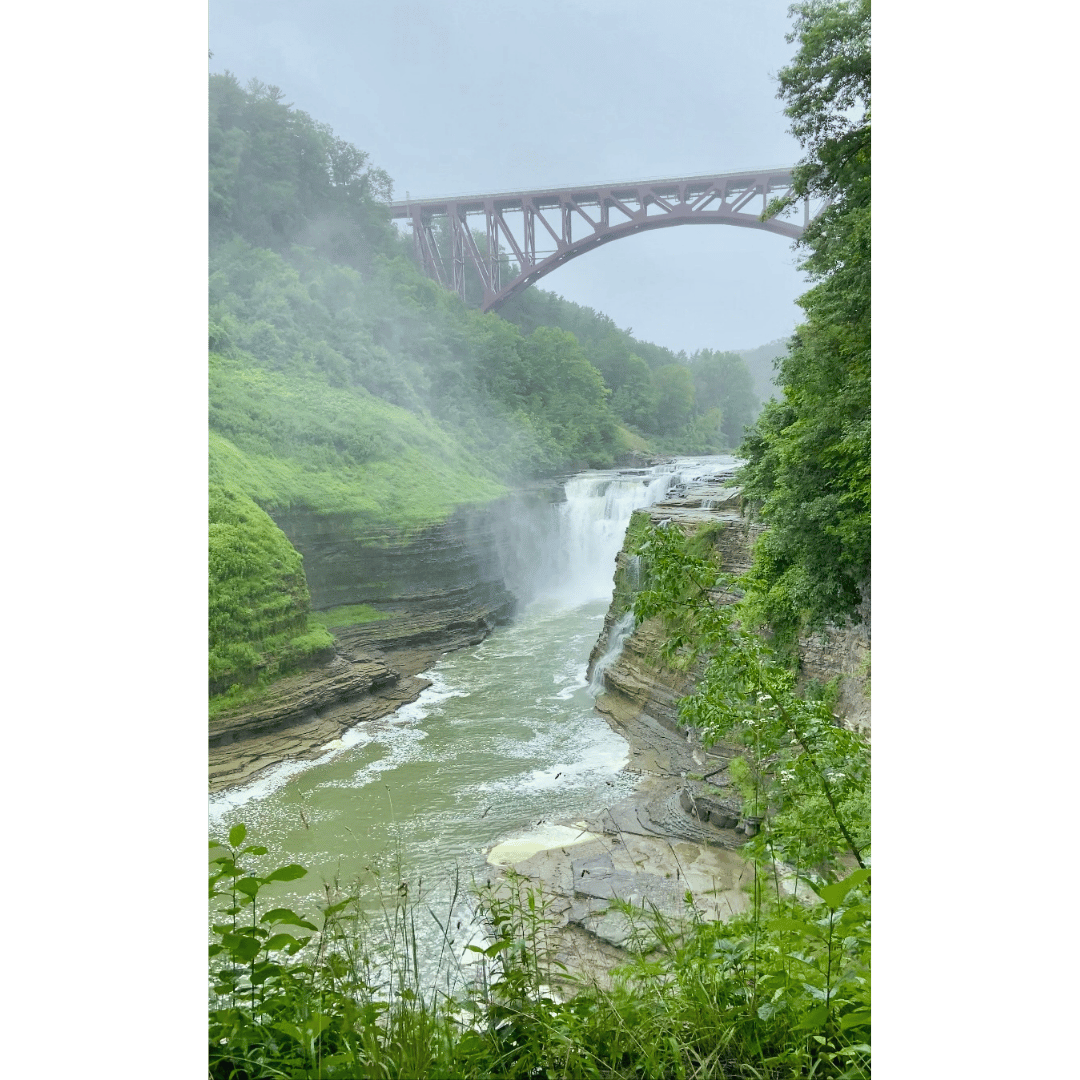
(504,739)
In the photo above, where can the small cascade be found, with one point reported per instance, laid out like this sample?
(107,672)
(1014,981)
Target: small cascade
(617,639)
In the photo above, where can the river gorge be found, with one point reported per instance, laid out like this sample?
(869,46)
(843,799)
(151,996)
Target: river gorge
(478,743)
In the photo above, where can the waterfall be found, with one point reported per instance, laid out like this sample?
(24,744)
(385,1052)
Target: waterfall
(565,551)
(616,640)
(591,526)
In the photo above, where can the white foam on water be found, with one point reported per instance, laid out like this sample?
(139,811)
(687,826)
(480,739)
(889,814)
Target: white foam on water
(225,802)
(541,838)
(403,745)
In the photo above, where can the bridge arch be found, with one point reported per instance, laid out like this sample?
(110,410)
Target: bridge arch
(511,219)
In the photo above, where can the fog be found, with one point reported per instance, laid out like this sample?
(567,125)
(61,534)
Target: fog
(478,96)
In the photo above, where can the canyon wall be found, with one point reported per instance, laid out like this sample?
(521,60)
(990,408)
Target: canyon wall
(637,684)
(438,588)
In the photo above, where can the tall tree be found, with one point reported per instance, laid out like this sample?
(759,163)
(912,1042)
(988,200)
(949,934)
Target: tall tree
(723,381)
(808,471)
(675,398)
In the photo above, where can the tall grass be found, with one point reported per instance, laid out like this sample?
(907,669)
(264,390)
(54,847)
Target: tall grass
(780,992)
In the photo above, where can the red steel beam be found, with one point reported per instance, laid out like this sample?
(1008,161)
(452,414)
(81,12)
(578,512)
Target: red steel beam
(682,200)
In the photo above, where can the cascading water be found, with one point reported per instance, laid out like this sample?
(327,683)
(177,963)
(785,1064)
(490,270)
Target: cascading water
(617,639)
(591,526)
(565,551)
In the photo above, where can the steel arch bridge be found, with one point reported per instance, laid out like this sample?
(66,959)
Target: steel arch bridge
(575,220)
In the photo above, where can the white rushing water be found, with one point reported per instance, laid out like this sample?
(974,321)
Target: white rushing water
(616,640)
(504,740)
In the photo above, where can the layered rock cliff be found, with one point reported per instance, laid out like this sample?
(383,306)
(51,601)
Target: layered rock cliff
(688,793)
(441,588)
(637,685)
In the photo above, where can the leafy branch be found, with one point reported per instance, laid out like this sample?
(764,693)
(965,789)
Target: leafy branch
(744,692)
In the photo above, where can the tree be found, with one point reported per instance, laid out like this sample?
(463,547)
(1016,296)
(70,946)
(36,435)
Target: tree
(675,398)
(635,397)
(279,178)
(567,395)
(723,381)
(808,471)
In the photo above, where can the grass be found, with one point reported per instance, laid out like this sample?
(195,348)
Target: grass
(347,615)
(782,991)
(290,440)
(632,441)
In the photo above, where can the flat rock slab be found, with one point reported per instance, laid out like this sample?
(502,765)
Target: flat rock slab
(646,872)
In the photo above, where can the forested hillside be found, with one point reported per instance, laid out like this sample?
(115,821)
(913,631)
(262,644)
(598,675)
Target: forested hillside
(344,381)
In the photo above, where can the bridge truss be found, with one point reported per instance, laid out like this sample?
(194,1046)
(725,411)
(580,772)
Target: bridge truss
(573,221)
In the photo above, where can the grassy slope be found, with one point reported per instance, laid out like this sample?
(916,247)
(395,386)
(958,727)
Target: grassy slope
(258,602)
(281,441)
(293,441)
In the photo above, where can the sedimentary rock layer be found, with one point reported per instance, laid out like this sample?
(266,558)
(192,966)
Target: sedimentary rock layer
(440,587)
(638,683)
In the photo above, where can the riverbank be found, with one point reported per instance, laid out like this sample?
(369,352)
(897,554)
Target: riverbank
(376,668)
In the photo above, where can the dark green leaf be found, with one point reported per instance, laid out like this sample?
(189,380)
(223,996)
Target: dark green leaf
(285,873)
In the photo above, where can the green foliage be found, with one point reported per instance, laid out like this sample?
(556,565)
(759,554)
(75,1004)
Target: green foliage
(279,178)
(794,749)
(705,415)
(258,605)
(722,382)
(808,457)
(784,991)
(674,398)
(635,398)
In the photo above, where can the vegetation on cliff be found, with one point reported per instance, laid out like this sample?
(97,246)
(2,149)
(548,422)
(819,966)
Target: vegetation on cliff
(808,471)
(259,603)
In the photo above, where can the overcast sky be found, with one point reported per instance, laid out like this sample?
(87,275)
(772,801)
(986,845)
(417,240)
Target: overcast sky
(475,96)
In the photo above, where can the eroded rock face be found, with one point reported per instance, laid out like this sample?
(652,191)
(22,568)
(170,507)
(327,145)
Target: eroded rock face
(639,683)
(441,589)
(346,563)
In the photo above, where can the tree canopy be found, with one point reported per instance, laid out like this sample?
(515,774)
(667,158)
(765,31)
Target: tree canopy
(808,471)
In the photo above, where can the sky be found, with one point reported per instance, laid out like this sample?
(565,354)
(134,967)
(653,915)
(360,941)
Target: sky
(476,96)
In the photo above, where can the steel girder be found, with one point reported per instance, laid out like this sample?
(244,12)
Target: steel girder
(575,220)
